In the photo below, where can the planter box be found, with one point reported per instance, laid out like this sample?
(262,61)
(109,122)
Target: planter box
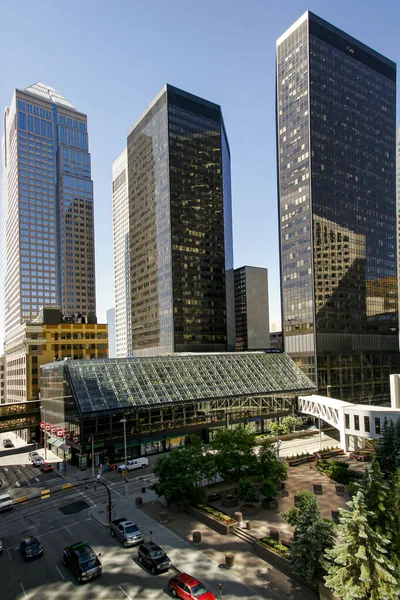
(269,504)
(329,453)
(272,557)
(211,522)
(248,510)
(230,502)
(298,461)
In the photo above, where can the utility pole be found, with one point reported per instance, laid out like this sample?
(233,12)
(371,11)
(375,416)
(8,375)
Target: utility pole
(92,438)
(44,431)
(123,421)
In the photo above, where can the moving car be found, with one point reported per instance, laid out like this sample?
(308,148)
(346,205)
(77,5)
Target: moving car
(46,467)
(188,588)
(83,561)
(8,443)
(135,463)
(37,461)
(33,454)
(154,557)
(126,531)
(31,547)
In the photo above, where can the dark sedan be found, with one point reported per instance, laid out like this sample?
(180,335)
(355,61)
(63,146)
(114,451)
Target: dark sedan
(31,547)
(154,557)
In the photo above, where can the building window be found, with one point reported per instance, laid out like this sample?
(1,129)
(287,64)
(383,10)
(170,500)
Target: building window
(366,424)
(377,425)
(347,421)
(356,422)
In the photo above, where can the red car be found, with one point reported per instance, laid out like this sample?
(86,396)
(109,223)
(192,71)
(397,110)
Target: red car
(46,467)
(188,588)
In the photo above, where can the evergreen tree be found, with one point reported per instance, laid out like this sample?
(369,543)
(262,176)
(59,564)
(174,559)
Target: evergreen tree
(358,566)
(314,536)
(386,451)
(394,504)
(378,500)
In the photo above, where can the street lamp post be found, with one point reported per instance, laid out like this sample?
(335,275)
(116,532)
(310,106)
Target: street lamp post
(126,459)
(45,431)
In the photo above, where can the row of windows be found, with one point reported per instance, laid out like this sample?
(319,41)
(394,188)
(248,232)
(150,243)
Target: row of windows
(73,123)
(32,109)
(35,125)
(367,426)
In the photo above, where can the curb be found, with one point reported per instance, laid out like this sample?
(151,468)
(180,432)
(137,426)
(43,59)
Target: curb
(98,519)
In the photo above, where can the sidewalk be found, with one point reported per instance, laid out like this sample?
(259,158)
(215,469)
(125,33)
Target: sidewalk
(249,578)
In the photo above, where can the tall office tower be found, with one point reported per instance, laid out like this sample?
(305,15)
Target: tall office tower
(398,206)
(180,227)
(111,332)
(122,278)
(48,239)
(251,308)
(336,103)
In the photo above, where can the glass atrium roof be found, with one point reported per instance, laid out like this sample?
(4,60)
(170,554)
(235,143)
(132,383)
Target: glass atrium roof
(129,383)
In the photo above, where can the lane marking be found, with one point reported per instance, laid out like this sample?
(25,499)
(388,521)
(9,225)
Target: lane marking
(9,555)
(22,587)
(124,592)
(69,531)
(59,572)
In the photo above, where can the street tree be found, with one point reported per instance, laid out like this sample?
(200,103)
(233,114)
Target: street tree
(247,493)
(304,499)
(358,566)
(314,536)
(388,447)
(269,466)
(234,453)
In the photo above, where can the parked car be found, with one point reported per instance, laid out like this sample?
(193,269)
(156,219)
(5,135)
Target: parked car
(127,532)
(6,502)
(31,547)
(188,588)
(37,461)
(83,561)
(7,443)
(312,428)
(46,467)
(154,557)
(32,454)
(135,463)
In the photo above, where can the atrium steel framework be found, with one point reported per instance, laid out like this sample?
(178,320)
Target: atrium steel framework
(167,397)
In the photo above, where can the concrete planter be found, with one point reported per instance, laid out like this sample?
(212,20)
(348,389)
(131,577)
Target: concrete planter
(272,557)
(230,502)
(248,510)
(219,526)
(269,504)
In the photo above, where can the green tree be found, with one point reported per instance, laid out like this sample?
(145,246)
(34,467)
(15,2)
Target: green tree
(235,454)
(314,536)
(247,493)
(304,500)
(387,449)
(275,428)
(268,464)
(289,424)
(268,489)
(378,500)
(358,566)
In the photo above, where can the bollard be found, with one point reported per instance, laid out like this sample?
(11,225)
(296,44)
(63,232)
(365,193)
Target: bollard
(274,534)
(248,525)
(196,538)
(143,490)
(239,517)
(163,517)
(138,501)
(229,560)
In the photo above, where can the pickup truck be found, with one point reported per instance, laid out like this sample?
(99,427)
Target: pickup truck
(127,532)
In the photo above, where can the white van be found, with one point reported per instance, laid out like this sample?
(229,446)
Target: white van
(6,502)
(135,463)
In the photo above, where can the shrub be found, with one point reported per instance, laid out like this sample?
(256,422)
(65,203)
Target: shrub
(216,514)
(276,546)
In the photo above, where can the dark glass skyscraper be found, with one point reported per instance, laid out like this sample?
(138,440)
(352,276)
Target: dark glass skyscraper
(336,131)
(180,227)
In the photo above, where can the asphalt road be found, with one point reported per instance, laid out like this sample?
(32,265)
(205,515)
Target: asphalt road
(46,578)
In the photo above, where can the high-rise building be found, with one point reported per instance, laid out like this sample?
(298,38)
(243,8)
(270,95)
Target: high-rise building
(122,275)
(179,226)
(336,130)
(251,308)
(111,332)
(47,205)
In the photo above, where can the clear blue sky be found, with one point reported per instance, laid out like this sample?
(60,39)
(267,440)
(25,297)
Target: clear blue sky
(110,58)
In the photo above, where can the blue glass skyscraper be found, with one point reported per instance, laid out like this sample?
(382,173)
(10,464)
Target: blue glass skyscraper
(47,208)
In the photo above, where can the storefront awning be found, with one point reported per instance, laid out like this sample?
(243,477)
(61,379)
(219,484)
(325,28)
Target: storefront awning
(65,447)
(52,440)
(57,443)
(156,438)
(172,436)
(129,444)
